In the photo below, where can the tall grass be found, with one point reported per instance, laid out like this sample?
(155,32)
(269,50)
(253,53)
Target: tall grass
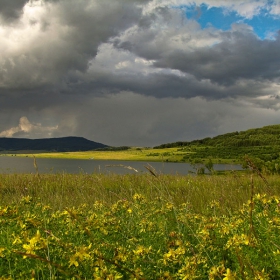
(69,190)
(148,226)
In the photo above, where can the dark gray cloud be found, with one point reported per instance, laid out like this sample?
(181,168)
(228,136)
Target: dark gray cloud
(11,9)
(128,72)
(223,57)
(239,56)
(211,63)
(133,119)
(55,39)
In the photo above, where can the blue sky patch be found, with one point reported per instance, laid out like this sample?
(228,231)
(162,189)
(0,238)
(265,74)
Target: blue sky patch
(264,25)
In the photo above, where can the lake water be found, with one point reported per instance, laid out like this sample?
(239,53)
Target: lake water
(25,165)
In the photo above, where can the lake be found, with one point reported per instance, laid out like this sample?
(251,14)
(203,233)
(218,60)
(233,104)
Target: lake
(25,165)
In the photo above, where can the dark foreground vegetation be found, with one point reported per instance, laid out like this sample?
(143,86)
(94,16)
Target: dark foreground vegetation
(149,226)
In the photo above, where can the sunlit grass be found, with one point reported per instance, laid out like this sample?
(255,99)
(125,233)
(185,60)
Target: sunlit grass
(134,154)
(66,190)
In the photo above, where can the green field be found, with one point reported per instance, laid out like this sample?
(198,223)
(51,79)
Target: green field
(181,154)
(137,154)
(81,226)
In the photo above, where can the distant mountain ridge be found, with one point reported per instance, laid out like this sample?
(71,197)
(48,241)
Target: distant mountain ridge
(62,144)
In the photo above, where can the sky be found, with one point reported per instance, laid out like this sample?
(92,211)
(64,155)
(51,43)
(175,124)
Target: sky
(138,72)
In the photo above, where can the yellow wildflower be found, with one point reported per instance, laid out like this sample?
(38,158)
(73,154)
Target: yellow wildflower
(17,240)
(33,244)
(73,261)
(3,210)
(141,250)
(229,275)
(213,272)
(36,238)
(26,199)
(1,252)
(138,197)
(80,255)
(29,249)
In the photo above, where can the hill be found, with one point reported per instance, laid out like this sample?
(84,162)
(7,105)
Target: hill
(262,145)
(267,135)
(63,144)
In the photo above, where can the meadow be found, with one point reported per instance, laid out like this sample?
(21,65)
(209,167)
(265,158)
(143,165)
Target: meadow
(132,153)
(148,226)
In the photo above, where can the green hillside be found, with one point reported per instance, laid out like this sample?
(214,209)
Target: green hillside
(262,145)
(265,136)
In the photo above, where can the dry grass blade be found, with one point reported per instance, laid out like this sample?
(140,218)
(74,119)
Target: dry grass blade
(254,168)
(121,165)
(36,167)
(151,170)
(35,164)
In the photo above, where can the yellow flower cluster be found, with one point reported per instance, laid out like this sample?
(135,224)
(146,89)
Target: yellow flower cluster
(137,239)
(35,243)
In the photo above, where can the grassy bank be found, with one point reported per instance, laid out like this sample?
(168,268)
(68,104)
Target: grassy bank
(65,226)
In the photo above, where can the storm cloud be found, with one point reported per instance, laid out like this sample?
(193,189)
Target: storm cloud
(130,72)
(11,10)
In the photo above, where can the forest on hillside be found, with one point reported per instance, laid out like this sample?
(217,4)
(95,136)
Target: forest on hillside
(265,136)
(261,145)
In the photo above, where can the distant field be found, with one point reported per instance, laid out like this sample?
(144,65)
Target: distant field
(190,154)
(138,154)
